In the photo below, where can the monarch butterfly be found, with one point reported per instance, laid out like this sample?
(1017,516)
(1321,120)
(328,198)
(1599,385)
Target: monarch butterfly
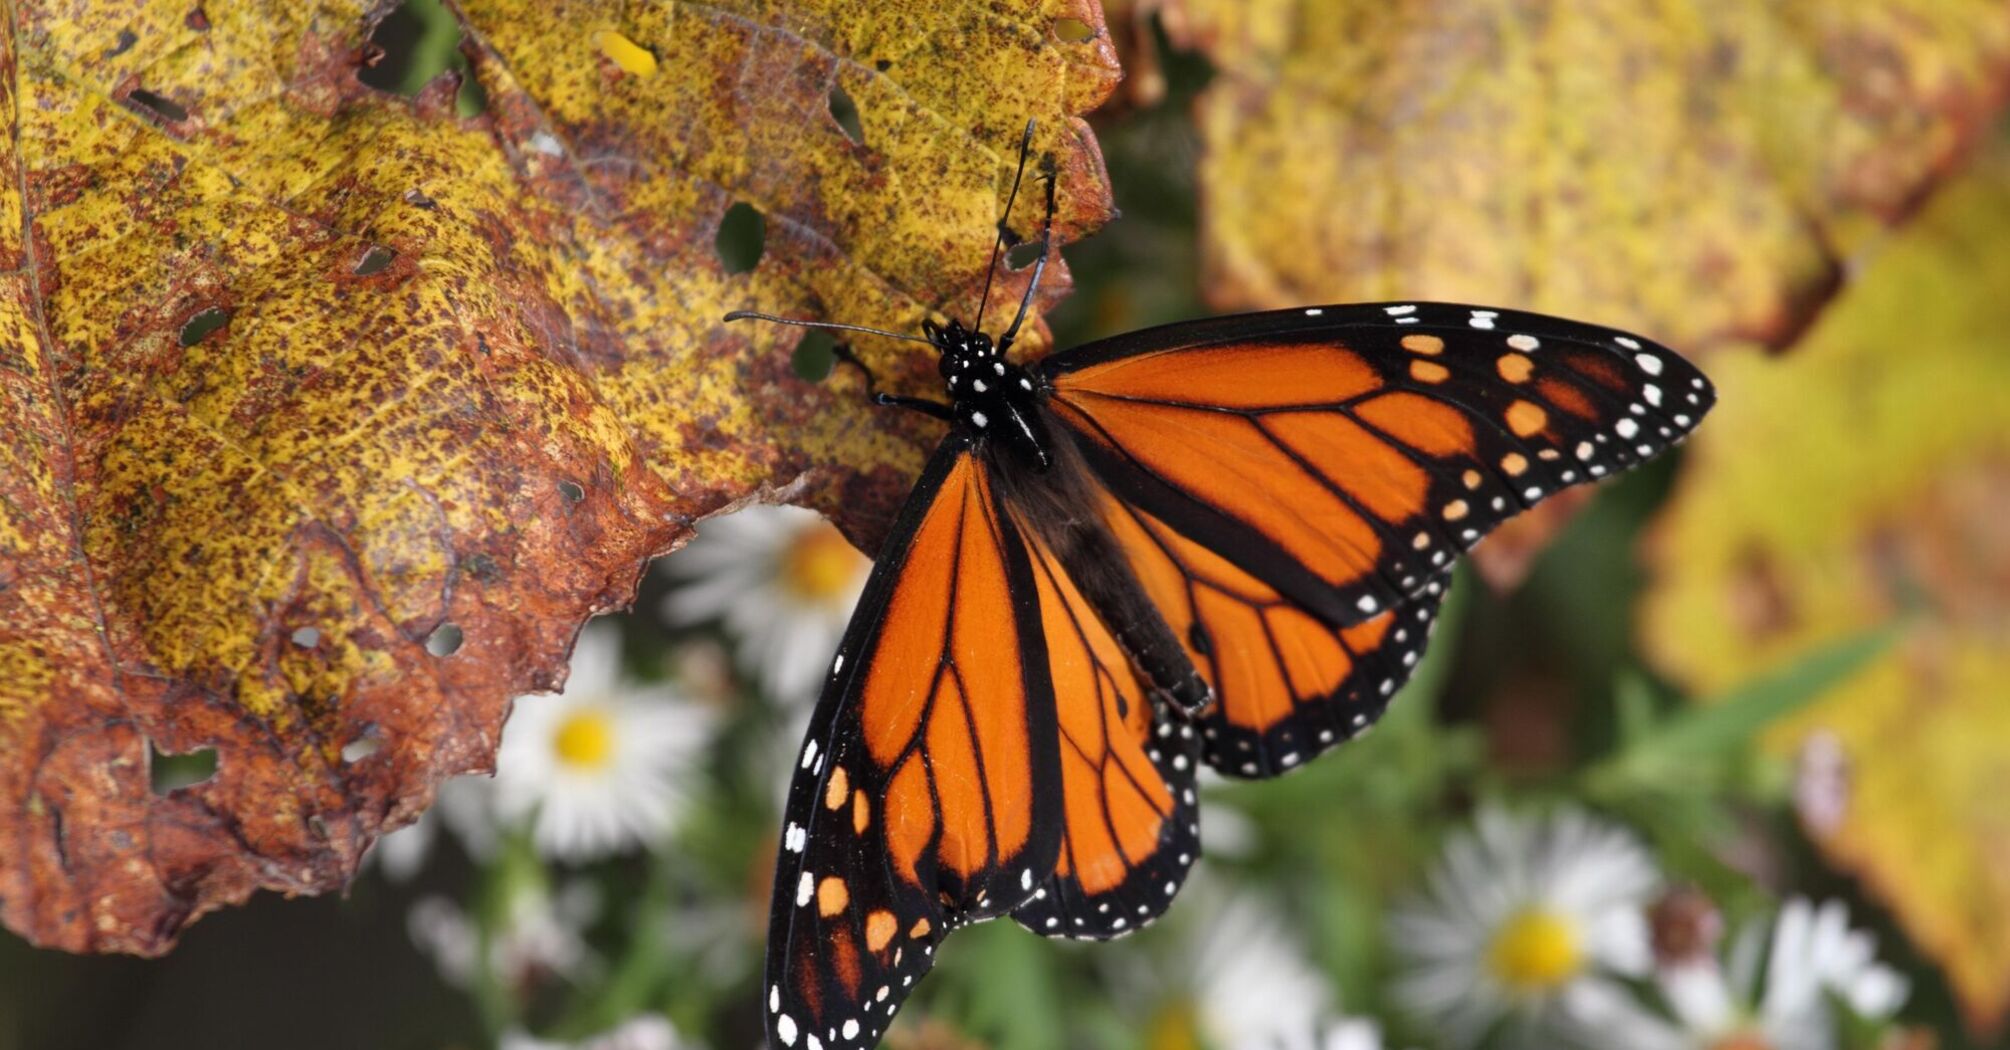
(1219,541)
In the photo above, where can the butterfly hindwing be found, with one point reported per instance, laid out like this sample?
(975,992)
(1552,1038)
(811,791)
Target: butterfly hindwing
(1127,776)
(926,795)
(1345,455)
(1287,685)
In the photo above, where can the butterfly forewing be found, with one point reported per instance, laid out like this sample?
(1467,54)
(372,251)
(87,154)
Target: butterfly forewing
(927,791)
(1345,455)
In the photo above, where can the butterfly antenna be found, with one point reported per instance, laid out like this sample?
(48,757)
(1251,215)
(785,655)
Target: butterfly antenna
(990,271)
(750,315)
(1047,172)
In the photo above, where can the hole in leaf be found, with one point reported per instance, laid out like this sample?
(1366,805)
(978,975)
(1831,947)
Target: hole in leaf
(473,99)
(845,112)
(1073,30)
(374,260)
(165,109)
(814,357)
(307,637)
(203,323)
(445,640)
(571,491)
(167,772)
(883,64)
(417,41)
(368,743)
(743,232)
(1022,255)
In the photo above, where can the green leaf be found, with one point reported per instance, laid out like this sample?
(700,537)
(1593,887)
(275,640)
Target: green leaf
(1695,743)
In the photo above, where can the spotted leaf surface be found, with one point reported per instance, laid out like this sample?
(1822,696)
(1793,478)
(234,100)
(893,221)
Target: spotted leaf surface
(1880,496)
(326,417)
(1689,171)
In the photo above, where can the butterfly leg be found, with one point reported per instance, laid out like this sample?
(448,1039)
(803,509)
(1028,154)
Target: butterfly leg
(844,355)
(1048,173)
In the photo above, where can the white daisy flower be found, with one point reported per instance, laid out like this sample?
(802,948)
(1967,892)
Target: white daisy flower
(643,1032)
(464,806)
(783,581)
(1529,921)
(1254,987)
(1340,1033)
(1813,961)
(1243,982)
(600,767)
(539,935)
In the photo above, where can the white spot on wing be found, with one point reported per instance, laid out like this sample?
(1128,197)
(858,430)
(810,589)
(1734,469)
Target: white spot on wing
(1367,603)
(785,1027)
(1648,363)
(1627,341)
(805,889)
(1399,311)
(809,754)
(1524,342)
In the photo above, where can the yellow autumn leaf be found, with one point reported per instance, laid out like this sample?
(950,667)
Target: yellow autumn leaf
(1689,170)
(325,418)
(1861,480)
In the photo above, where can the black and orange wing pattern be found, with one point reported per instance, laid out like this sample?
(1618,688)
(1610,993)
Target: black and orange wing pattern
(1292,486)
(1131,824)
(1287,685)
(927,793)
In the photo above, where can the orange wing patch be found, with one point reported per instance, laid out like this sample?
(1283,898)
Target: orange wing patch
(1245,376)
(1130,830)
(1246,473)
(1287,686)
(944,692)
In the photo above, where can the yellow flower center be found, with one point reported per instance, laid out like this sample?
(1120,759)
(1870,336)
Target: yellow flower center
(1535,951)
(585,740)
(1174,1028)
(819,565)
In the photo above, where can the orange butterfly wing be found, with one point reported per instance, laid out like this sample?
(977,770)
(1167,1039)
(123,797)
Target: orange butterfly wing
(927,792)
(1131,826)
(1287,685)
(1292,487)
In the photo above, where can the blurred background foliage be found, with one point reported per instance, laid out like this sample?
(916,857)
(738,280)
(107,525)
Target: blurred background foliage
(1779,658)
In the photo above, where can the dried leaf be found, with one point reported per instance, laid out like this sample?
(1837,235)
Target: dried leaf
(298,380)
(1866,479)
(1695,172)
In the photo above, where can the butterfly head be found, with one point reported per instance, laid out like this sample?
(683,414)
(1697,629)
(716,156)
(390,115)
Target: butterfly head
(992,396)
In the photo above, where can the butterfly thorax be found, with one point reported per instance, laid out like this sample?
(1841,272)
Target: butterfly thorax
(992,397)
